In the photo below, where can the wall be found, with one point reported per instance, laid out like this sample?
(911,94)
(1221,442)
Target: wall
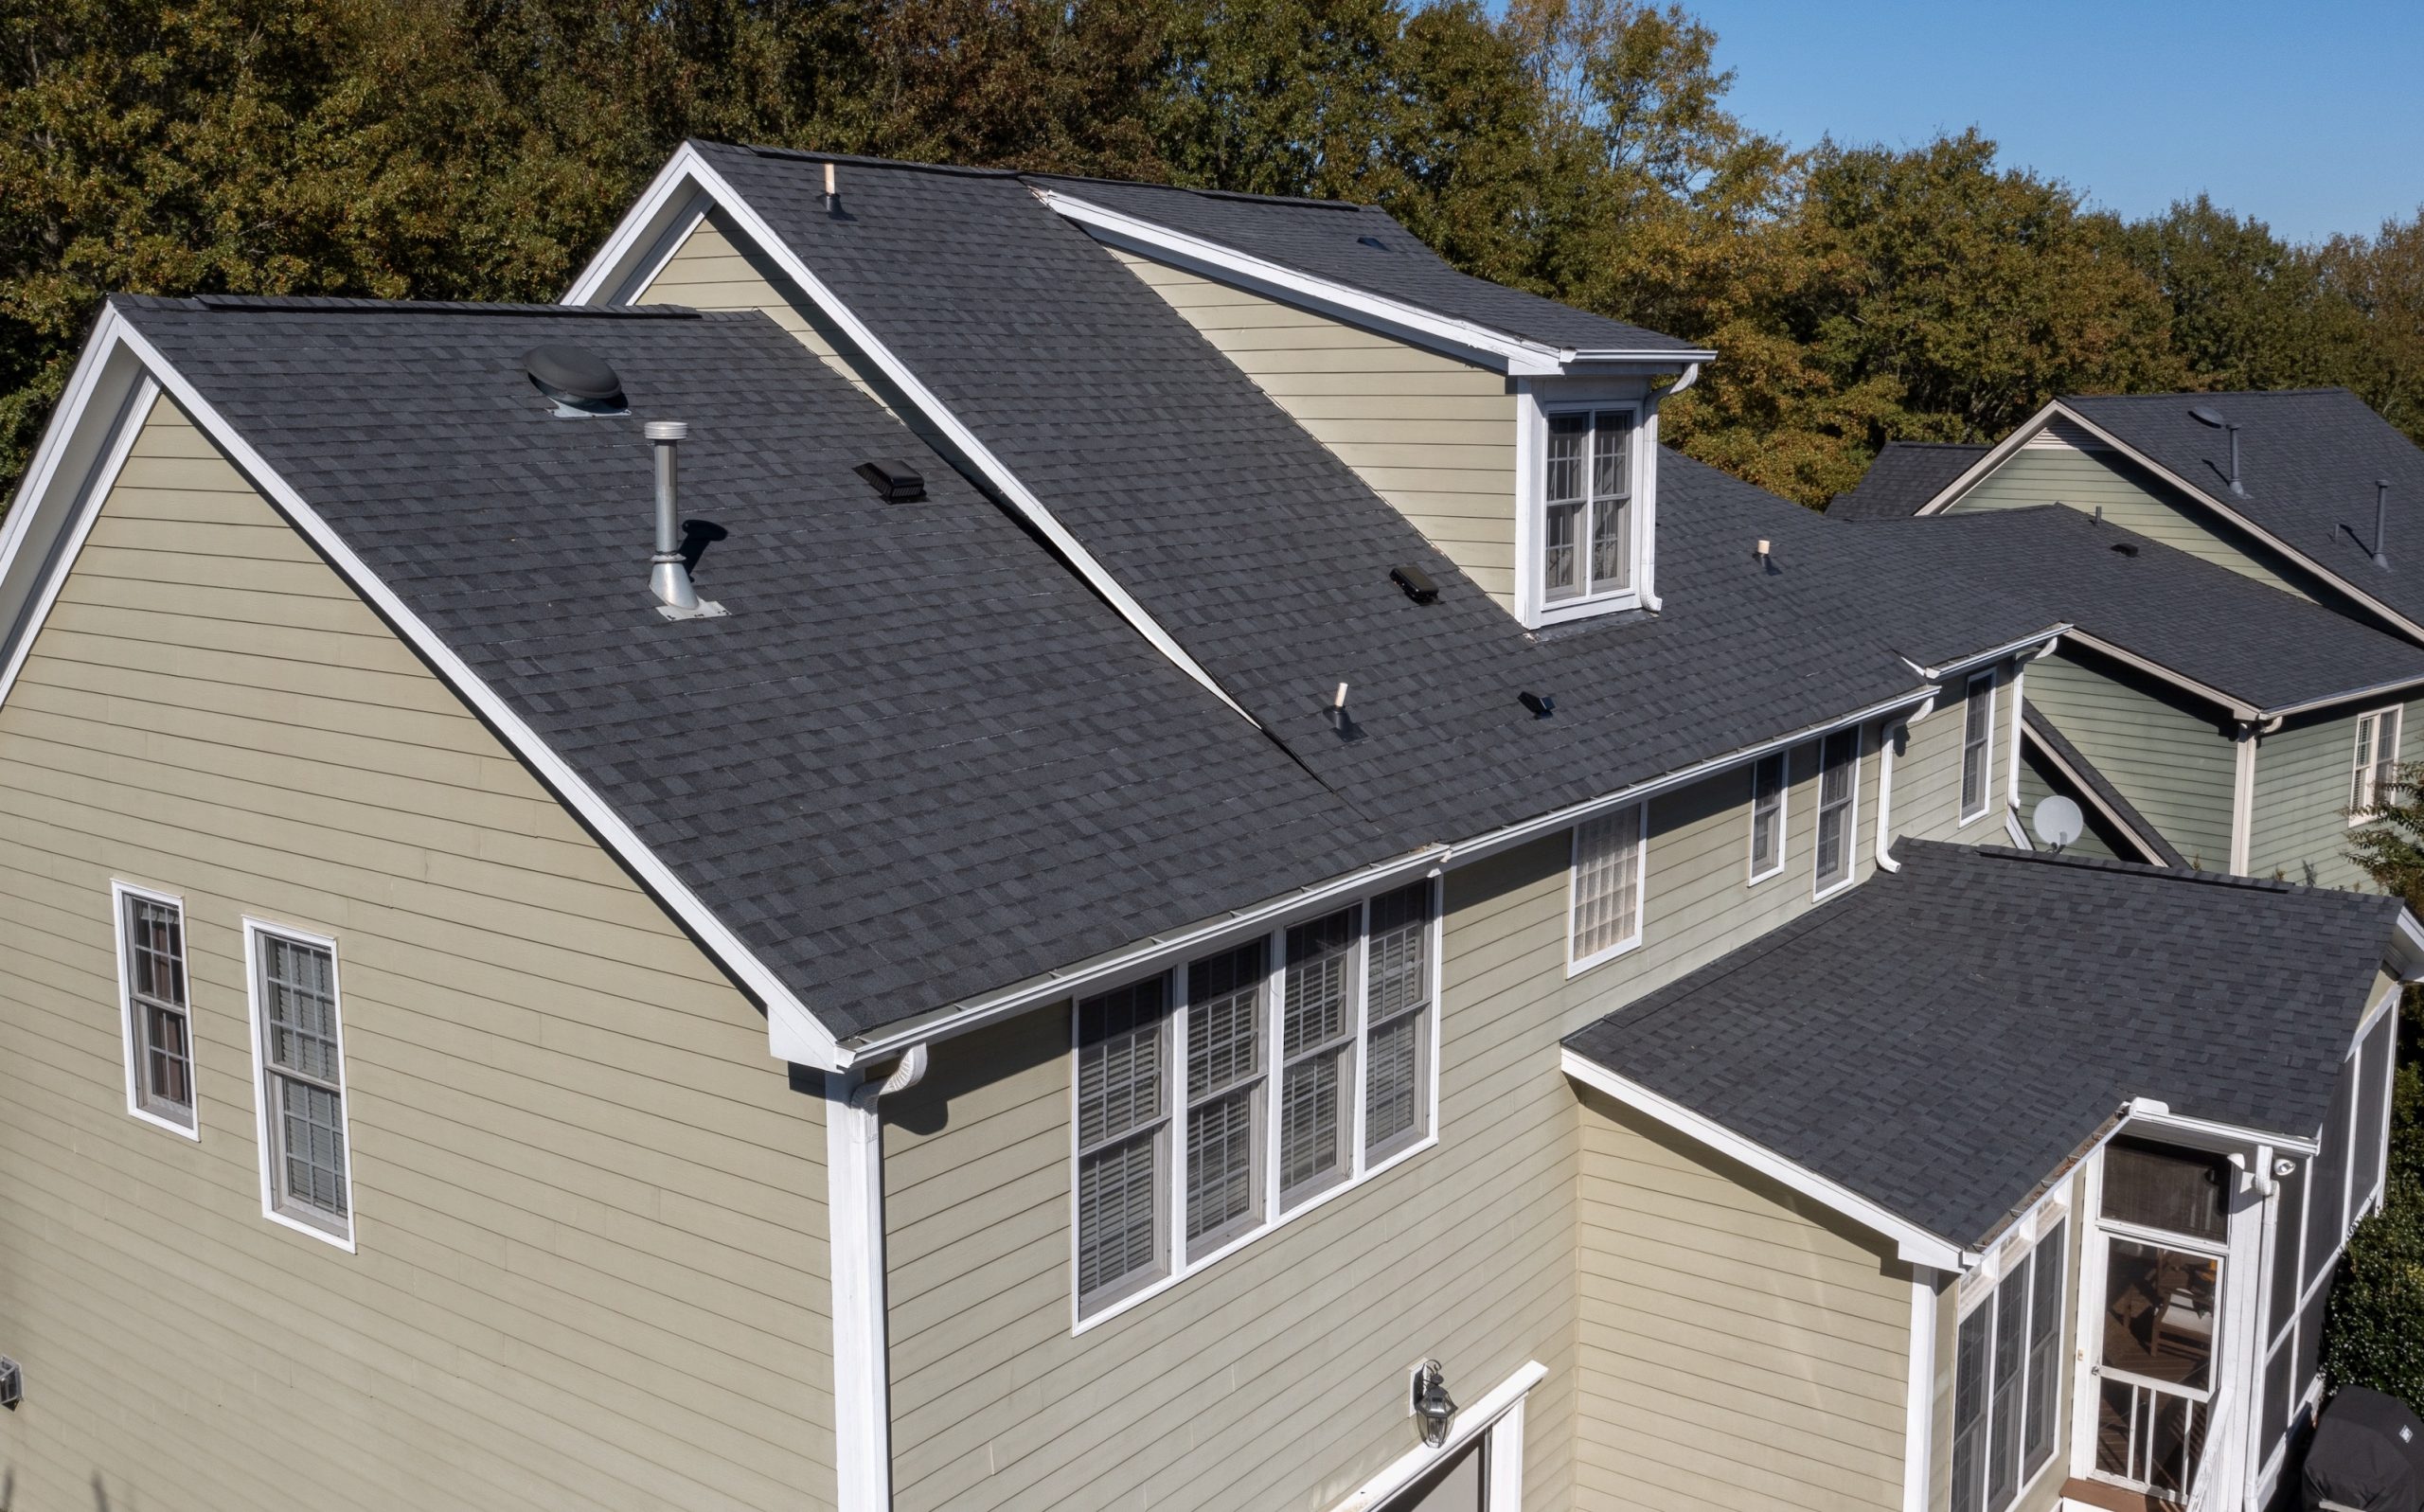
(588,1209)
(2302,777)
(1434,436)
(1739,1344)
(2169,758)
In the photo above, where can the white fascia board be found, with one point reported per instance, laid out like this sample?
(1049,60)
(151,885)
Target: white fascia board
(2040,640)
(2353,696)
(637,248)
(1911,1242)
(678,190)
(2407,948)
(2149,1114)
(792,1031)
(1516,356)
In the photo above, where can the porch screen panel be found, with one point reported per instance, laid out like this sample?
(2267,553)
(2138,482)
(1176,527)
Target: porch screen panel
(1970,1407)
(2044,1349)
(2010,1309)
(2327,1184)
(2372,1110)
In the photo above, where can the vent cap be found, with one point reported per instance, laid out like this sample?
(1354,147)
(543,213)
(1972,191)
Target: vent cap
(1417,583)
(897,482)
(580,380)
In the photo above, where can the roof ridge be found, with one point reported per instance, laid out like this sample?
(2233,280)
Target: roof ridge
(805,154)
(1242,195)
(2220,393)
(2172,874)
(344,304)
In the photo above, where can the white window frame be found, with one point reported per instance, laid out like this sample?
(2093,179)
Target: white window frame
(128,1010)
(1536,404)
(1985,747)
(1575,965)
(1980,1290)
(2365,761)
(1178,1261)
(1819,886)
(1783,761)
(327,1230)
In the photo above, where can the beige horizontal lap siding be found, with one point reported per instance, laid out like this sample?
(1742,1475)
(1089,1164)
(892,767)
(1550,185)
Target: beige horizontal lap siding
(2131,498)
(1432,436)
(1739,1344)
(2303,786)
(590,1211)
(2172,761)
(1927,772)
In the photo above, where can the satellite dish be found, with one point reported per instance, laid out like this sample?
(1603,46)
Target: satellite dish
(2057,820)
(2207,415)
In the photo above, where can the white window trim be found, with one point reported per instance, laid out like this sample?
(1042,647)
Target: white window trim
(119,893)
(1784,817)
(2396,714)
(1852,814)
(1177,1264)
(326,1234)
(1987,777)
(1577,965)
(1535,403)
(1969,1296)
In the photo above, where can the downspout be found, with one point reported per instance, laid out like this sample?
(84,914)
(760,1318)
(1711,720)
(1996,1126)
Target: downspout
(862,1371)
(2011,757)
(1658,395)
(1918,1403)
(2242,796)
(1900,730)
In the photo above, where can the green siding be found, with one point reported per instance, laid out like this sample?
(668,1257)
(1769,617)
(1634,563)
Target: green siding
(2301,798)
(2174,763)
(2036,785)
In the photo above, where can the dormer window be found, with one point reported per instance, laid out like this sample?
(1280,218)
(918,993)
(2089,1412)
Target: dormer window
(1582,536)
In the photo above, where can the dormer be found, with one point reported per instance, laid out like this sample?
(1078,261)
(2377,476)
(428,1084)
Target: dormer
(1519,434)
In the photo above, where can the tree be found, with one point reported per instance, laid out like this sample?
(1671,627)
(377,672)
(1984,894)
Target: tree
(2248,310)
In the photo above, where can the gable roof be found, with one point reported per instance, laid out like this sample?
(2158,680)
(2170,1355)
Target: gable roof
(1335,241)
(2230,635)
(2119,810)
(1268,558)
(918,760)
(2061,989)
(1906,475)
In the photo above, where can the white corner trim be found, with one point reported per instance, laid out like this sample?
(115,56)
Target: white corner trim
(793,1032)
(688,178)
(1500,1402)
(120,892)
(265,1143)
(1911,1242)
(1919,1399)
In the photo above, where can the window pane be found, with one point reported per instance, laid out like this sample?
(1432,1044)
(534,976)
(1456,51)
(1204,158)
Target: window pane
(1321,956)
(1969,1408)
(313,1136)
(2044,1350)
(1560,568)
(1607,881)
(168,1059)
(1224,1018)
(2360,775)
(299,999)
(1611,545)
(2159,1312)
(1611,431)
(2328,1184)
(1976,736)
(1401,953)
(1118,1213)
(1120,1072)
(1567,437)
(158,952)
(2010,1309)
(1393,1101)
(2162,1188)
(1836,768)
(1312,1127)
(2385,757)
(1220,1186)
(1767,813)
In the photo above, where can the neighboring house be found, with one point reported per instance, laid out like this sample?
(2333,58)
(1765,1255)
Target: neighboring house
(1326,926)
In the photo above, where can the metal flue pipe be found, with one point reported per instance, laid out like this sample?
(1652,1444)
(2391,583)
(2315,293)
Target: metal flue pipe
(669,578)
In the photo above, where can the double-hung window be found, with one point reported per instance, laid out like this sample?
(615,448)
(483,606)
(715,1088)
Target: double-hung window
(2373,776)
(1607,887)
(1838,803)
(1767,816)
(2006,1371)
(1977,745)
(307,1177)
(1587,526)
(159,1016)
(1225,1096)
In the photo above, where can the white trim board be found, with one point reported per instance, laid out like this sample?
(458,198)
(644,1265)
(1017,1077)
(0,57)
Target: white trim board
(687,186)
(1911,1242)
(254,929)
(794,1032)
(1500,1403)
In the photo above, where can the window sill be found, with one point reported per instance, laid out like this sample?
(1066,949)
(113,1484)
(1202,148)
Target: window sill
(1770,875)
(1566,610)
(1623,947)
(1818,894)
(325,1233)
(1197,1266)
(191,1131)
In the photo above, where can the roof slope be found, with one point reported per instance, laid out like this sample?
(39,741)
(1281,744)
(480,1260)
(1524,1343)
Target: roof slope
(1943,1039)
(1326,238)
(2308,459)
(2141,829)
(1906,475)
(918,762)
(2255,642)
(1268,560)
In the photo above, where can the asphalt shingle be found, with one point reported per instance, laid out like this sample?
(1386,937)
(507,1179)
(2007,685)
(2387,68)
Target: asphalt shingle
(1906,475)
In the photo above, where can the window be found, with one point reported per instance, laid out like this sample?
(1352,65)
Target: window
(1767,816)
(2005,1373)
(158,1016)
(1606,919)
(1838,798)
(1218,1099)
(1977,745)
(306,1167)
(1587,524)
(2375,772)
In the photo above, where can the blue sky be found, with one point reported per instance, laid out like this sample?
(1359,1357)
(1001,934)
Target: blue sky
(2309,115)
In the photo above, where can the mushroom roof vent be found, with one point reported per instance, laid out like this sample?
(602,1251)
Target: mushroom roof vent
(580,380)
(897,482)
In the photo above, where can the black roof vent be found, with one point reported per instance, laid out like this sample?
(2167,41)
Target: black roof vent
(1417,583)
(896,481)
(1542,704)
(2127,548)
(580,380)
(1374,242)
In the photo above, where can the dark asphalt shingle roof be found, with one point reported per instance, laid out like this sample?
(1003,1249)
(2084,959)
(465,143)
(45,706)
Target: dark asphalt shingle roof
(920,759)
(1268,558)
(1323,239)
(2043,730)
(1906,475)
(1942,1040)
(2255,642)
(2308,458)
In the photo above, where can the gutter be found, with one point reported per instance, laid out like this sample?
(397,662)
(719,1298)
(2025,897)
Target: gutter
(2044,638)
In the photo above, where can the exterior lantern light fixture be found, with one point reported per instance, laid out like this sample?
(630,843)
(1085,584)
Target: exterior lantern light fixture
(1433,1409)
